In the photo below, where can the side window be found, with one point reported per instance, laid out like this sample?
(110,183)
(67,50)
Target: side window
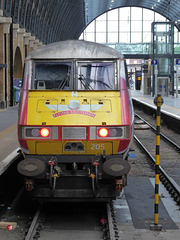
(52,75)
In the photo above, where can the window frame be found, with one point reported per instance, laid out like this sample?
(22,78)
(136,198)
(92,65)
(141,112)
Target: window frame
(116,75)
(74,73)
(50,61)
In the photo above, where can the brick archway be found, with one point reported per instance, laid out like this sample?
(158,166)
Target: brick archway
(18,68)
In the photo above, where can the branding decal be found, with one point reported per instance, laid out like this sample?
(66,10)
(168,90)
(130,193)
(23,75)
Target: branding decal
(74,108)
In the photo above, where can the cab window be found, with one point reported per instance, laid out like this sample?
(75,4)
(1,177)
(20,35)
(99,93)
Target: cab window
(97,76)
(52,75)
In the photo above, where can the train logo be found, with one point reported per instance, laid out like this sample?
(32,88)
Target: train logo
(74,108)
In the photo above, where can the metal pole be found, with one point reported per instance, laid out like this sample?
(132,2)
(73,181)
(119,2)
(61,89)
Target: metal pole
(158,101)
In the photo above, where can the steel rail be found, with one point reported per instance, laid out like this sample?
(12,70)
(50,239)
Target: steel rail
(112,225)
(170,184)
(111,230)
(161,134)
(30,233)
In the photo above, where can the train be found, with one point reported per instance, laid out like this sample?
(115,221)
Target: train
(75,122)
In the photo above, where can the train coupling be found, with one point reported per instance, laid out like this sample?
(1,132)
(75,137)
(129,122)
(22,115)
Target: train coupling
(54,169)
(119,184)
(56,172)
(52,162)
(29,184)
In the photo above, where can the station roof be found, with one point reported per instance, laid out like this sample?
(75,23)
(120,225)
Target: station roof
(55,20)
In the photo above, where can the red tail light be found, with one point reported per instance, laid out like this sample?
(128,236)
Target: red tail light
(103,132)
(44,132)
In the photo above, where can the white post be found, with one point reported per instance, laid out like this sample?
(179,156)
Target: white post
(177,81)
(156,82)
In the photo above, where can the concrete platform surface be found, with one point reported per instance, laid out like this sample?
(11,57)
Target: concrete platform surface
(134,221)
(171,106)
(8,136)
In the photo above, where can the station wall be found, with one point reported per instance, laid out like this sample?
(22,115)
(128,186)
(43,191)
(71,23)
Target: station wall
(23,44)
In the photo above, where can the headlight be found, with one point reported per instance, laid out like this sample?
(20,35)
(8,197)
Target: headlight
(38,132)
(107,132)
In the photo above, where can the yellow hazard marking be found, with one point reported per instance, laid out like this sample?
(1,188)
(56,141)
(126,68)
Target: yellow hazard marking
(156,198)
(158,140)
(157,159)
(156,216)
(158,121)
(157,179)
(159,103)
(2,110)
(8,130)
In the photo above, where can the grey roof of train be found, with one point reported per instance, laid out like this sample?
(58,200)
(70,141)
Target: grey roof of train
(55,20)
(75,49)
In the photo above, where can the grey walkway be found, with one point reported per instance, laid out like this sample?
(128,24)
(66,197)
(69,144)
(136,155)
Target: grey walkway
(8,136)
(171,106)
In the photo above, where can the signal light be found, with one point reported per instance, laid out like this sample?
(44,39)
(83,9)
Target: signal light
(44,132)
(103,132)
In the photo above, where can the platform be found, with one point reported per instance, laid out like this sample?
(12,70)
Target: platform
(171,106)
(8,136)
(134,211)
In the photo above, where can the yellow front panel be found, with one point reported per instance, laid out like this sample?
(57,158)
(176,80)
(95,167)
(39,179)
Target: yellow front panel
(57,147)
(41,105)
(31,146)
(48,148)
(74,108)
(66,108)
(98,148)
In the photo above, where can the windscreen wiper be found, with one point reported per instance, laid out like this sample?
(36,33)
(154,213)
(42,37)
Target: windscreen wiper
(84,82)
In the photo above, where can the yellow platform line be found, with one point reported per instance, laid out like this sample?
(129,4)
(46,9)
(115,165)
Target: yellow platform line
(8,130)
(2,110)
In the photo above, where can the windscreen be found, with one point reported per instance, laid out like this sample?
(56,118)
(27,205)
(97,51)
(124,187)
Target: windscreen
(52,75)
(97,76)
(90,75)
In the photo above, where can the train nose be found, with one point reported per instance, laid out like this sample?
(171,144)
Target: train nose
(31,167)
(116,167)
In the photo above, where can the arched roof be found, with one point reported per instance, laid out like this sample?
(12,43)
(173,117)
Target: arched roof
(55,20)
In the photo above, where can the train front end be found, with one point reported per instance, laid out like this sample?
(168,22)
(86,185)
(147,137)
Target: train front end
(75,123)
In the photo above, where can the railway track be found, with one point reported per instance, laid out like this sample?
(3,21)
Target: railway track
(169,156)
(73,223)
(163,136)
